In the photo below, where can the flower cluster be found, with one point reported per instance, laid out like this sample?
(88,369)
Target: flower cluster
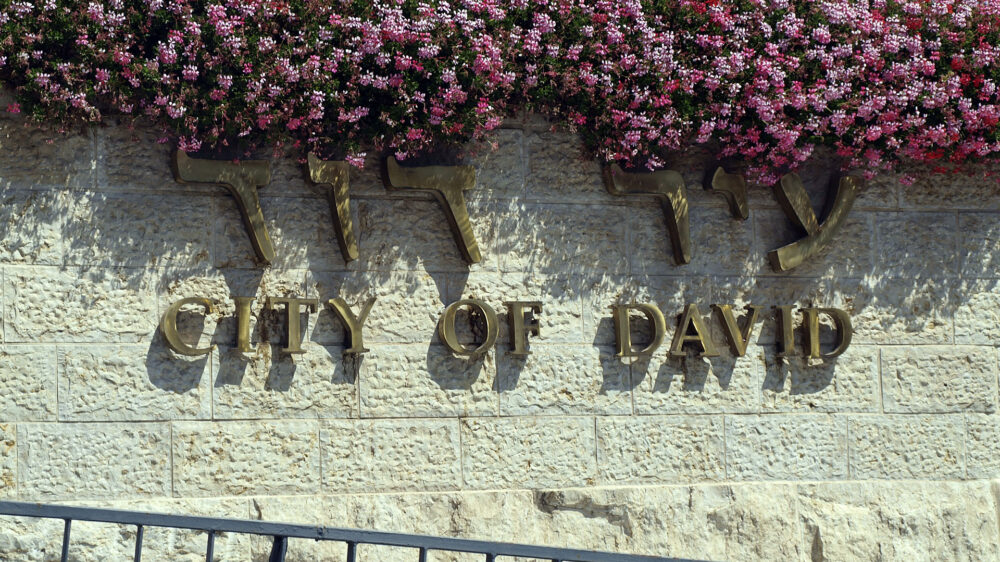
(764,82)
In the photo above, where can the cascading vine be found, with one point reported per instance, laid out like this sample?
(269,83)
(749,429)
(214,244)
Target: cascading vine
(765,82)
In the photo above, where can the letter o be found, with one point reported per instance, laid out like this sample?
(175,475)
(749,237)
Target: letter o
(446,328)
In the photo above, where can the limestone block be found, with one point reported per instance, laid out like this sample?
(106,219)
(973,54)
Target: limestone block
(420,380)
(660,449)
(528,452)
(564,379)
(982,446)
(559,171)
(901,310)
(138,230)
(130,157)
(78,305)
(720,245)
(849,254)
(935,379)
(132,382)
(8,461)
(105,541)
(880,192)
(848,383)
(59,462)
(328,511)
(786,447)
(413,235)
(33,540)
(477,515)
(391,455)
(516,234)
(907,447)
(300,228)
(500,166)
(559,239)
(697,385)
(241,458)
(918,245)
(32,226)
(31,157)
(561,318)
(29,382)
(407,306)
(977,312)
(651,519)
(670,294)
(979,244)
(319,383)
(898,521)
(936,191)
(759,522)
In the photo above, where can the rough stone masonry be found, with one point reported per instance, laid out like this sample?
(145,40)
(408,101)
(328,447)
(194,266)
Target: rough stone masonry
(888,452)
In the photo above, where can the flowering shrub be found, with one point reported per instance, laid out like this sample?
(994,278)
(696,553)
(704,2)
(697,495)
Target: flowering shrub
(762,81)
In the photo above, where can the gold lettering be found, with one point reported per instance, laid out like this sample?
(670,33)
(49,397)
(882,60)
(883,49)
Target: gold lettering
(242,179)
(668,186)
(169,327)
(702,336)
(794,200)
(243,323)
(446,328)
(293,319)
(738,339)
(842,322)
(519,328)
(336,174)
(354,324)
(623,331)
(733,187)
(786,331)
(447,184)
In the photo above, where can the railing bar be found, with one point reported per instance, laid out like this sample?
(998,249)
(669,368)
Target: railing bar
(254,527)
(210,551)
(352,551)
(65,544)
(491,557)
(422,557)
(278,549)
(138,543)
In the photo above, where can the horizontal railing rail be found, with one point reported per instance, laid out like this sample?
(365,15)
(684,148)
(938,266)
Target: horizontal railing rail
(281,532)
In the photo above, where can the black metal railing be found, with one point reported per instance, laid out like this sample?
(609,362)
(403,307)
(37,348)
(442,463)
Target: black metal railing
(281,532)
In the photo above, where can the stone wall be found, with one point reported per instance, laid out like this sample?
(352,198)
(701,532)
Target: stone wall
(888,452)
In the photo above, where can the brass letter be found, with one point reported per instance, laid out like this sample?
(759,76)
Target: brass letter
(845,331)
(737,339)
(623,332)
(243,323)
(519,329)
(794,200)
(786,331)
(293,319)
(733,187)
(702,335)
(447,184)
(668,186)
(242,180)
(446,329)
(353,323)
(169,327)
(336,174)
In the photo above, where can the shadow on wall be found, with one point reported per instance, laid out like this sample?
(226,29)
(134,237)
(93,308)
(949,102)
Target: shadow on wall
(548,230)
